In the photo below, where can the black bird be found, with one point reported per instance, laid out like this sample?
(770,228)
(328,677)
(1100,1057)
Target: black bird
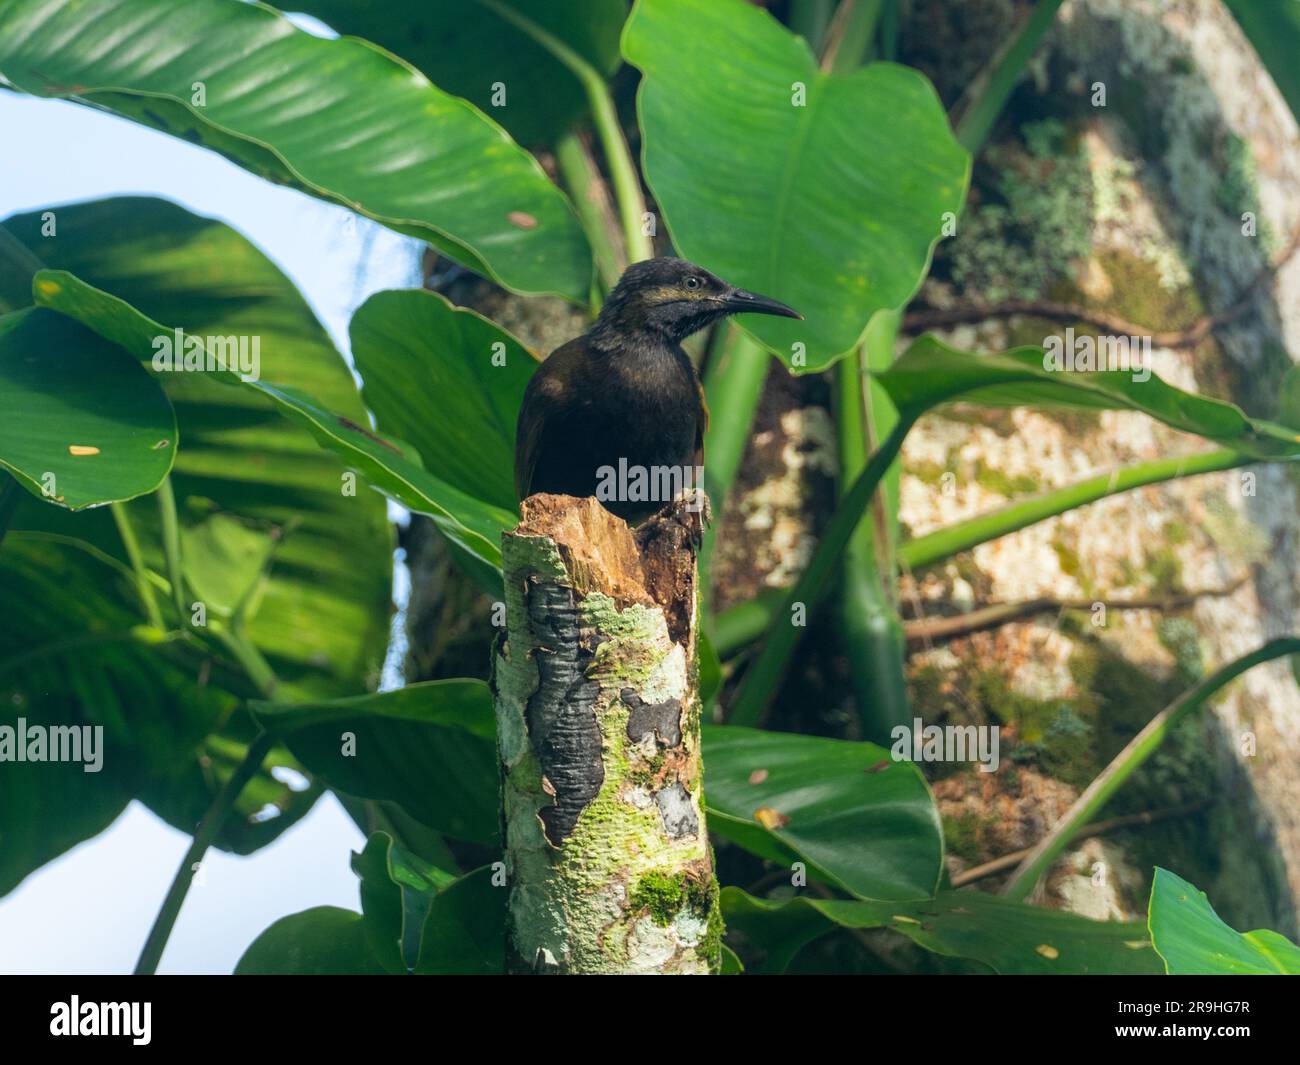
(613,413)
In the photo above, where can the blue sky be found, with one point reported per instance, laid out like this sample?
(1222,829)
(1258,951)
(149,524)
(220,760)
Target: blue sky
(90,910)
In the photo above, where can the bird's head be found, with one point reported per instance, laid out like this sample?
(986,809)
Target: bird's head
(676,298)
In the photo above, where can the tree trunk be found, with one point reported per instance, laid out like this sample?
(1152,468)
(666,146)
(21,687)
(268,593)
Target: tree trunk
(598,724)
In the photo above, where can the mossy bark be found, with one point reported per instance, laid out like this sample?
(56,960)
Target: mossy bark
(598,710)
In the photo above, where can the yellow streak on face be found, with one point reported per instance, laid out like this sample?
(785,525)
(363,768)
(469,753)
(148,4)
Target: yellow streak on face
(674,293)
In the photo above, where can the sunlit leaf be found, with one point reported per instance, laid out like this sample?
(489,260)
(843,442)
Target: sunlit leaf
(826,191)
(341,119)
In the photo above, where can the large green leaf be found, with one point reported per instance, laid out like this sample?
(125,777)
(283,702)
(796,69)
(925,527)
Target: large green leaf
(1008,937)
(429,747)
(341,119)
(322,941)
(471,524)
(930,373)
(1194,941)
(322,616)
(81,423)
(858,818)
(467,48)
(447,381)
(832,205)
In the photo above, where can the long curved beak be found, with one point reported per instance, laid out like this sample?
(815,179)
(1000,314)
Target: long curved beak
(741,302)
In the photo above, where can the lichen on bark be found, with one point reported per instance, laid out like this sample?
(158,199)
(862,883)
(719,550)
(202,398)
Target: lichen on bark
(598,711)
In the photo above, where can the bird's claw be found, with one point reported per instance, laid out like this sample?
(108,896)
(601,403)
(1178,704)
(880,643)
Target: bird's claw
(694,512)
(690,511)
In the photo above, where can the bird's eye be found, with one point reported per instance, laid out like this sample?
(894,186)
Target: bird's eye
(692,282)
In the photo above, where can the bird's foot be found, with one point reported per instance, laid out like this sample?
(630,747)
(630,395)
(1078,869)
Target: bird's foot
(701,510)
(691,511)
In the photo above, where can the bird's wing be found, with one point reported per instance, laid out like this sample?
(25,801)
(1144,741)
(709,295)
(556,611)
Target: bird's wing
(528,436)
(543,399)
(701,426)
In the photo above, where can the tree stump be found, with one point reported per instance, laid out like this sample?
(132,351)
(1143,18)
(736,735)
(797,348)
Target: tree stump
(598,723)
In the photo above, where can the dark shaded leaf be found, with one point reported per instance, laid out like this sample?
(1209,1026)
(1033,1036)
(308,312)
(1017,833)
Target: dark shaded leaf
(468,49)
(429,747)
(322,941)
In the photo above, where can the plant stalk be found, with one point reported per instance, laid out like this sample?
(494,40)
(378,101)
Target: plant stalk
(870,627)
(850,35)
(250,659)
(261,674)
(749,707)
(944,543)
(733,385)
(587,190)
(987,95)
(207,831)
(171,539)
(126,531)
(604,116)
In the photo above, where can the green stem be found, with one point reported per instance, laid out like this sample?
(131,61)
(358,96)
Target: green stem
(889,31)
(171,538)
(250,659)
(851,34)
(870,629)
(207,831)
(987,95)
(586,189)
(733,386)
(742,624)
(761,679)
(946,542)
(261,674)
(604,116)
(1138,750)
(127,532)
